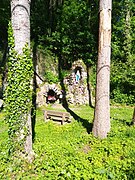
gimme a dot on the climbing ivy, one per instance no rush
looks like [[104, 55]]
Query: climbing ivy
[[18, 94]]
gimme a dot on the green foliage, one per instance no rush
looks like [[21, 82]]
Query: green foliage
[[123, 54], [68, 152], [47, 65], [70, 30], [122, 82], [18, 95], [50, 77], [77, 38], [4, 18], [66, 28]]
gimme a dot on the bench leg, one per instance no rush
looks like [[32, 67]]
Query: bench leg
[[63, 119], [45, 115]]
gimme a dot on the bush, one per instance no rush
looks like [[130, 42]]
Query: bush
[[122, 82], [51, 78]]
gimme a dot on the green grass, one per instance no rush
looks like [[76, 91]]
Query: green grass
[[69, 152]]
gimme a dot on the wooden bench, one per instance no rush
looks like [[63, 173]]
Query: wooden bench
[[55, 115]]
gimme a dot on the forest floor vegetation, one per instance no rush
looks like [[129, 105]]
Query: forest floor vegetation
[[69, 152]]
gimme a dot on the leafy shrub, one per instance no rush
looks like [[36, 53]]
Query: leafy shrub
[[119, 97], [122, 82], [50, 77]]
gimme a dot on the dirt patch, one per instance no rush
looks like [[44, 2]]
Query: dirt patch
[[86, 149]]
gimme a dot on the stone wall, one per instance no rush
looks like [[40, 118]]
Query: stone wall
[[41, 99], [76, 91]]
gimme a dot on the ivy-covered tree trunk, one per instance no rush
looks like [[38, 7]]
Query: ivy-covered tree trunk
[[20, 71], [102, 105]]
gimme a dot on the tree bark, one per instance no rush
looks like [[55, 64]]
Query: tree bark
[[89, 88], [133, 119], [102, 105], [127, 32], [20, 18]]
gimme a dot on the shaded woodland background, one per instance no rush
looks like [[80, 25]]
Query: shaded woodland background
[[68, 31]]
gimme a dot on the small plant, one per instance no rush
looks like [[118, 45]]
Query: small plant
[[50, 77]]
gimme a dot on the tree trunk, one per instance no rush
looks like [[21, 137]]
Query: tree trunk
[[127, 32], [102, 105], [89, 88], [133, 119], [20, 17]]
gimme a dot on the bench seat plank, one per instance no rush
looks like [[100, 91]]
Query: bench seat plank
[[56, 115]]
